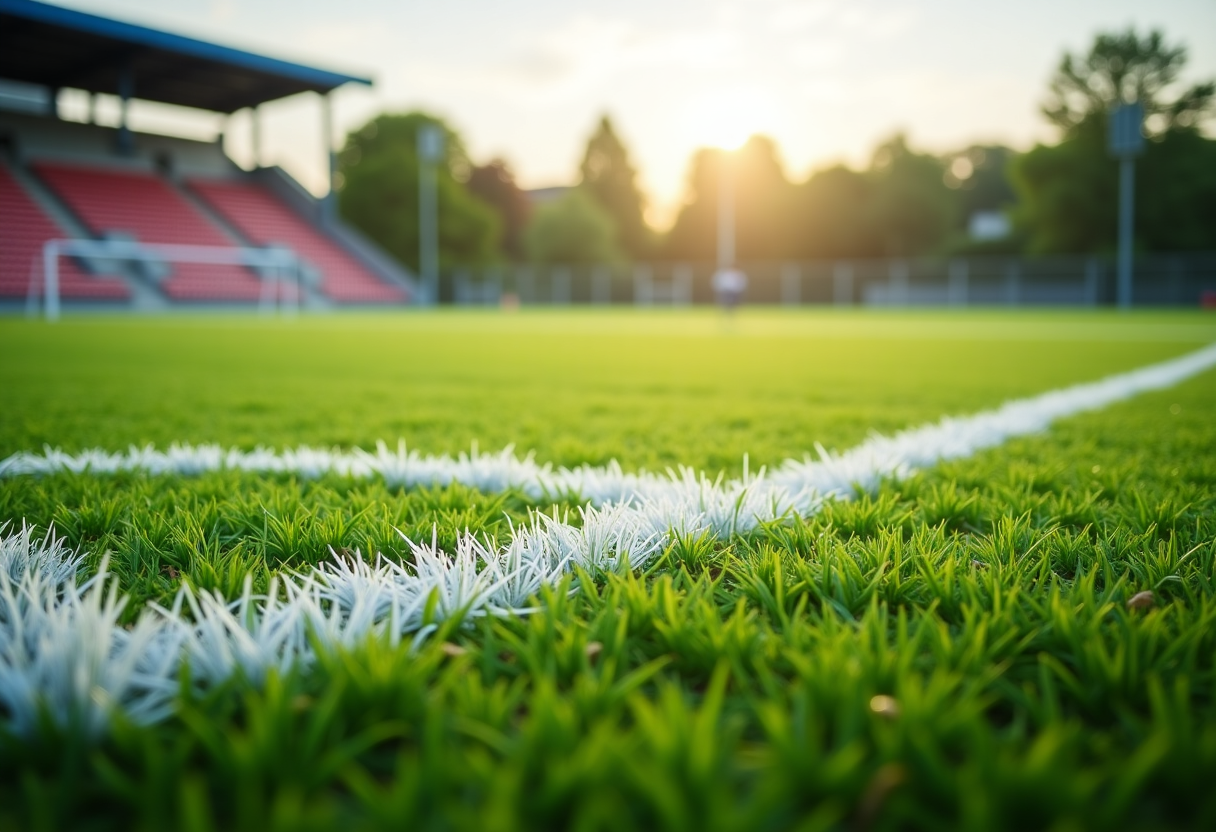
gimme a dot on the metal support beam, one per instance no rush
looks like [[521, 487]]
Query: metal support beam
[[126, 91], [330, 205], [255, 126]]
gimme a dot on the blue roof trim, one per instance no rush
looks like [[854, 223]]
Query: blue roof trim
[[156, 39]]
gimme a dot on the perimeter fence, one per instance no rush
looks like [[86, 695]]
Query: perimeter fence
[[1159, 280]]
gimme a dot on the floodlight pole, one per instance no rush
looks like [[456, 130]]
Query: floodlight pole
[[430, 151], [1126, 141], [1127, 184], [726, 210]]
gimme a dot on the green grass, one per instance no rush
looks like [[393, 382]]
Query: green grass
[[648, 389], [729, 687]]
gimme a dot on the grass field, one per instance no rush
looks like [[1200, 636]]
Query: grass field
[[952, 650]]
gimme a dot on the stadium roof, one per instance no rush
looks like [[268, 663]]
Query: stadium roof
[[57, 47]]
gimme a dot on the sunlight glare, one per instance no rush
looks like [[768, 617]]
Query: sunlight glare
[[727, 118]]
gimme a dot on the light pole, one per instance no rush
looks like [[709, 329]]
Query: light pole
[[430, 152], [726, 209], [1126, 143]]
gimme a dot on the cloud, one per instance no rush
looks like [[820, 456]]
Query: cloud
[[221, 11], [585, 51]]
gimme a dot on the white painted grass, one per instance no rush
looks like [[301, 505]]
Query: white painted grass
[[65, 658]]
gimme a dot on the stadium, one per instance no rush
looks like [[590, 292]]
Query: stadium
[[157, 208], [406, 487]]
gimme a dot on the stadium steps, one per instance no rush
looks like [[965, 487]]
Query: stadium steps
[[149, 209], [265, 220], [312, 299], [145, 297], [28, 219]]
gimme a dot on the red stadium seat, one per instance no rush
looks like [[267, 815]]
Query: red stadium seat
[[257, 214], [24, 228], [147, 208]]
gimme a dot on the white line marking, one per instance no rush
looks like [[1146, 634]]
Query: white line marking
[[62, 647]]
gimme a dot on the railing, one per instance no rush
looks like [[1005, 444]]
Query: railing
[[1159, 280]]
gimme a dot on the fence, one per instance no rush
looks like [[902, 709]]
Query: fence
[[1159, 280]]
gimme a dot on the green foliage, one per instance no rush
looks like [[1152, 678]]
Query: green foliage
[[833, 216], [1069, 193], [1123, 67], [980, 174], [909, 203], [763, 199], [572, 229], [379, 194], [900, 206], [733, 686], [609, 176], [912, 211], [494, 183]]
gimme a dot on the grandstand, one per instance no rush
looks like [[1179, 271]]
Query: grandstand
[[64, 180]]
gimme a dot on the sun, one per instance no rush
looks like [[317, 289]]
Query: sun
[[728, 117]]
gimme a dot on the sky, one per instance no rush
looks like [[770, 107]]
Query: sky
[[528, 80]]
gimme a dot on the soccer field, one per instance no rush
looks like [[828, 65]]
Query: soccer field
[[964, 644]]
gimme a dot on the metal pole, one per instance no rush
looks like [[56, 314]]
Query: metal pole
[[255, 122], [50, 266], [428, 229], [791, 284], [842, 284], [1127, 183], [430, 150], [126, 89], [726, 210], [956, 292]]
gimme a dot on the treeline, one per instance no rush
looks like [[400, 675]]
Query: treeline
[[1059, 198]]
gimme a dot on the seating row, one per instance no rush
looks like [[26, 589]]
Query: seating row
[[149, 209]]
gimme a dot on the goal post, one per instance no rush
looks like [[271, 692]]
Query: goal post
[[281, 266]]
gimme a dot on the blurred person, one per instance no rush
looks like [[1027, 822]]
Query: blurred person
[[729, 282]]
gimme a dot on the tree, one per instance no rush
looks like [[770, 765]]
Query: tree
[[911, 210], [611, 180], [1068, 192], [1120, 68], [833, 215], [494, 183], [979, 175], [571, 230], [764, 205], [378, 169]]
